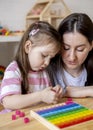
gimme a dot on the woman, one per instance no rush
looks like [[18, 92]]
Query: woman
[[73, 69]]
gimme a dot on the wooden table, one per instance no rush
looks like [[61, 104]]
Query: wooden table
[[6, 123]]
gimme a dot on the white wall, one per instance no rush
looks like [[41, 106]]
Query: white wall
[[85, 6], [13, 12], [7, 52]]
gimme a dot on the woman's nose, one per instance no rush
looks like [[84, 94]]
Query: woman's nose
[[72, 55]]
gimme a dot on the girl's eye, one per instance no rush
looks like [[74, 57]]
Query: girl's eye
[[44, 55]]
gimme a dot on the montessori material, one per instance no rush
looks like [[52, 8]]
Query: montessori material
[[18, 114], [59, 116]]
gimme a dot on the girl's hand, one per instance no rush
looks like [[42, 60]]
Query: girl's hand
[[59, 91], [49, 96]]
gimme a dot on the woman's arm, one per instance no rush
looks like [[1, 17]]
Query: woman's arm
[[79, 91]]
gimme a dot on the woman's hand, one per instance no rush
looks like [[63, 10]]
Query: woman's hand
[[72, 91]]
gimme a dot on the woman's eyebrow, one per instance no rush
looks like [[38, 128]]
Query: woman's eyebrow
[[76, 46], [66, 44], [82, 45]]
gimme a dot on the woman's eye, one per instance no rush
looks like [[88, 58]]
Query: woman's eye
[[80, 49], [66, 48]]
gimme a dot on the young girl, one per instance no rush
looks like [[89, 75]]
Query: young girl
[[74, 69], [25, 82]]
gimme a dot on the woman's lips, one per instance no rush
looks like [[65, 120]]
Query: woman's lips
[[71, 63]]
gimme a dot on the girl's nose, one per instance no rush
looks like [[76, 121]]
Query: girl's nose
[[46, 63]]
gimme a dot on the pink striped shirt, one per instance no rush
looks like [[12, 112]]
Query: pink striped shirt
[[11, 83]]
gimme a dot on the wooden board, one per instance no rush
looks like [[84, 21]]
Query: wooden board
[[57, 117]]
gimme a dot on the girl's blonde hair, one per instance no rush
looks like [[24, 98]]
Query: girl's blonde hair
[[38, 33]]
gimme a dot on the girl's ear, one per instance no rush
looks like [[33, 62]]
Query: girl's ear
[[28, 45]]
